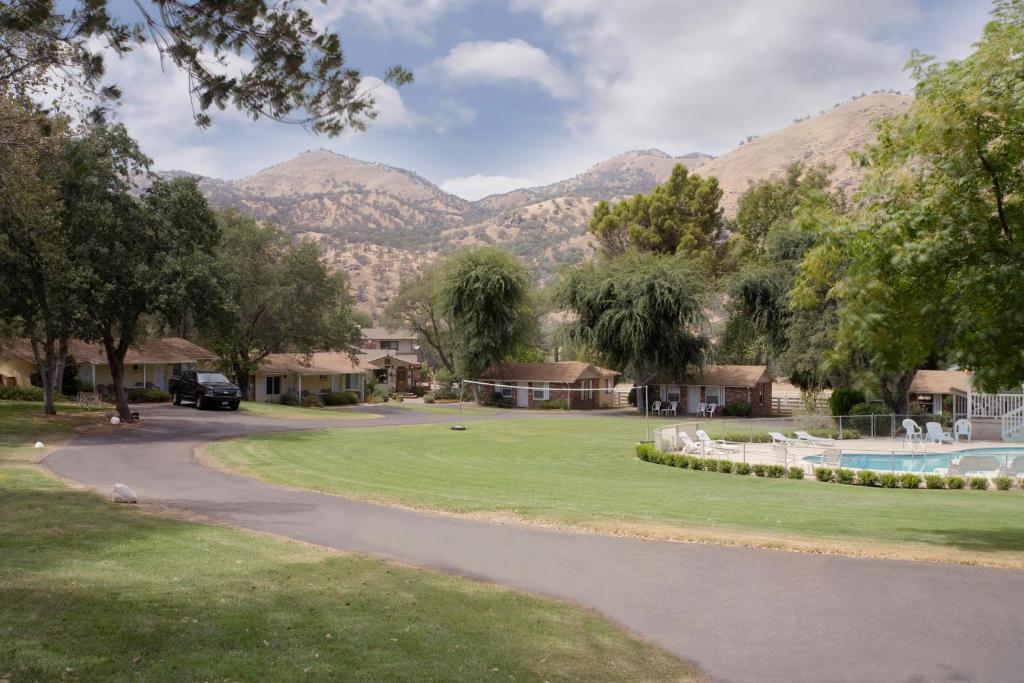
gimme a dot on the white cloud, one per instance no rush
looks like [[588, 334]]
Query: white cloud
[[699, 75], [477, 186], [409, 19], [387, 102], [489, 61]]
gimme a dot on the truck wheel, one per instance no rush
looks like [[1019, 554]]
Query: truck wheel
[[234, 406], [199, 402], [175, 399]]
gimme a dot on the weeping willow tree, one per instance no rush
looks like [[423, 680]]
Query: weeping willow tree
[[639, 313]]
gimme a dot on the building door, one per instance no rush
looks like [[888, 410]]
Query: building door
[[523, 395], [692, 398], [401, 378]]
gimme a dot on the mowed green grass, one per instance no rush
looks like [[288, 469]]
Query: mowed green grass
[[94, 591], [277, 410], [584, 471], [23, 423]]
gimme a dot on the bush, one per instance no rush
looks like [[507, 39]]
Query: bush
[[725, 466], [843, 399], [419, 391], [553, 405], [289, 400], [955, 482], [1003, 483], [681, 461], [742, 468], [736, 408], [889, 480], [70, 385], [340, 398], [760, 470], [645, 451], [867, 478], [775, 471], [909, 480], [934, 481], [823, 474], [21, 393], [696, 463], [428, 398], [795, 472], [631, 399], [710, 465], [844, 475], [446, 394], [979, 483], [140, 395]]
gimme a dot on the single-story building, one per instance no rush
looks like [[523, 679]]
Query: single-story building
[[398, 372], [929, 389], [385, 339], [151, 363], [580, 385], [319, 373], [715, 384]]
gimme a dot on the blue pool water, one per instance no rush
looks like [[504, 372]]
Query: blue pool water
[[916, 462]]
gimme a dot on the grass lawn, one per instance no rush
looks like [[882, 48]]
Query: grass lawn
[[468, 408], [277, 410], [22, 423], [93, 591], [583, 471]]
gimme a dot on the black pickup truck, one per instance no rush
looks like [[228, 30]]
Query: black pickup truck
[[206, 388]]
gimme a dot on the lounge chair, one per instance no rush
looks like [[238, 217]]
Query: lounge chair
[[976, 465], [813, 440], [962, 427], [935, 433], [711, 444], [689, 445], [912, 430], [672, 407], [1016, 467], [779, 437]]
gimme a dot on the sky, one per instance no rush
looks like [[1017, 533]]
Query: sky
[[523, 92]]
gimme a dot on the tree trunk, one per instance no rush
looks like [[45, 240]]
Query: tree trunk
[[50, 364], [241, 372], [895, 388], [120, 395]]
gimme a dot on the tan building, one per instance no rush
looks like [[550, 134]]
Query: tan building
[[929, 388], [398, 341], [716, 384], [148, 364], [319, 373], [580, 385]]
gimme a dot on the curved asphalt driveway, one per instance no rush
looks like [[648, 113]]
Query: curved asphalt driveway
[[741, 614]]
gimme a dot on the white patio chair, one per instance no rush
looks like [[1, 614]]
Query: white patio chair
[[656, 407], [779, 437], [962, 427], [701, 408], [912, 430], [671, 408], [709, 409], [935, 433], [813, 440]]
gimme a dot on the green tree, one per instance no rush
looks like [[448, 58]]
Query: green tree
[[419, 306], [278, 296], [682, 215], [639, 313], [487, 296], [292, 72], [769, 204]]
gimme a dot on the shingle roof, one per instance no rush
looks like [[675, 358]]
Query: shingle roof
[[938, 381], [375, 356], [377, 333], [561, 372], [719, 375], [319, 363], [150, 351]]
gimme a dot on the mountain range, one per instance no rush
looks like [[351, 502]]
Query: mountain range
[[382, 224]]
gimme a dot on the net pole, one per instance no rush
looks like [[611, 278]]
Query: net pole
[[462, 390], [647, 412]]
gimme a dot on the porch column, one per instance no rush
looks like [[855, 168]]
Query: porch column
[[95, 389], [143, 375], [300, 386]]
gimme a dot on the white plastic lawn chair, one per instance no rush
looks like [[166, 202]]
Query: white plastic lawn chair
[[701, 408], [672, 407], [913, 430], [813, 440], [709, 409], [779, 437], [935, 433], [962, 427], [656, 407]]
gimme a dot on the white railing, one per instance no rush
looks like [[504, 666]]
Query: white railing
[[992, 406], [1013, 425]]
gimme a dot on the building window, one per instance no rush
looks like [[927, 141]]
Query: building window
[[588, 389], [711, 395], [382, 375], [322, 377], [389, 345], [540, 391], [135, 367], [505, 389], [272, 386], [674, 393]]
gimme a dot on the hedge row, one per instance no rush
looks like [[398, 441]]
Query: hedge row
[[648, 453], [8, 393], [906, 480]]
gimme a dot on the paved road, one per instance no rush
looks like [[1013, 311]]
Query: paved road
[[741, 614]]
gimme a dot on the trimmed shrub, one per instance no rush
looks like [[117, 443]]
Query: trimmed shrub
[[428, 398], [823, 474], [312, 401], [909, 480], [889, 480], [1003, 483], [553, 405], [775, 471], [736, 408], [645, 451], [760, 470], [419, 390], [683, 461], [955, 482], [843, 399], [979, 483], [140, 395], [867, 478], [725, 466], [710, 465], [742, 468], [934, 481], [844, 475], [340, 398], [696, 463], [289, 400], [795, 472], [21, 393]]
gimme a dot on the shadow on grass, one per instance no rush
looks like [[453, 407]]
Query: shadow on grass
[[979, 540]]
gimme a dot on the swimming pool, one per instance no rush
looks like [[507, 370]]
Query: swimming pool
[[916, 462]]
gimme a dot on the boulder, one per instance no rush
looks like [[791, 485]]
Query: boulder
[[123, 494], [115, 420], [39, 444]]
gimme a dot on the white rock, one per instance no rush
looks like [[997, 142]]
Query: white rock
[[123, 494], [39, 444], [115, 420]]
